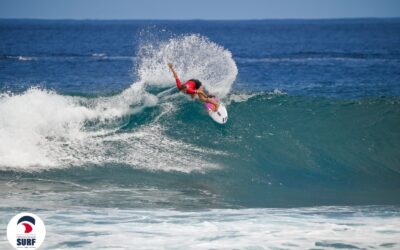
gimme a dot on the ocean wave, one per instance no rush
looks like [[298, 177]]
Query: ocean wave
[[286, 150], [280, 146], [42, 130], [63, 57], [19, 58], [99, 54]]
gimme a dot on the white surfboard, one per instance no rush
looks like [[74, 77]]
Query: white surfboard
[[221, 115]]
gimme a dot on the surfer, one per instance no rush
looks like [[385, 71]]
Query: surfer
[[193, 87]]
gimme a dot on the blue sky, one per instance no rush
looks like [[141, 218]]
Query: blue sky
[[197, 9]]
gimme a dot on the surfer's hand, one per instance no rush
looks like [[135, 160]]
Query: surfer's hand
[[171, 67]]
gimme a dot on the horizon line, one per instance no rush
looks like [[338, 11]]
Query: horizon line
[[195, 19]]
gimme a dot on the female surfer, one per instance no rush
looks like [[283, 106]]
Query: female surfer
[[193, 87]]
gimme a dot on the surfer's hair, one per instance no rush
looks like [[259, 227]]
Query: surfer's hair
[[197, 82]]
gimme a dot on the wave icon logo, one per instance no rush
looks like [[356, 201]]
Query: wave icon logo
[[28, 226], [26, 231]]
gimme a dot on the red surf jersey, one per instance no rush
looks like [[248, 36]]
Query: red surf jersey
[[190, 86]]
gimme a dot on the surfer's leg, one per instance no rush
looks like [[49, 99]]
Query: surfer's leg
[[213, 102], [216, 104], [204, 98]]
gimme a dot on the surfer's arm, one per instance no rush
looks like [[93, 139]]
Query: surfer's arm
[[178, 81]]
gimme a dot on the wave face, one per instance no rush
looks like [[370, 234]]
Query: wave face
[[282, 148]]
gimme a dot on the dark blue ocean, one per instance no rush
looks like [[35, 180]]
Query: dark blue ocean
[[96, 140]]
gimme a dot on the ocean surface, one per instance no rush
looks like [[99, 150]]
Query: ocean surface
[[97, 141]]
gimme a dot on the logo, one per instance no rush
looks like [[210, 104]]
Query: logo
[[26, 231]]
